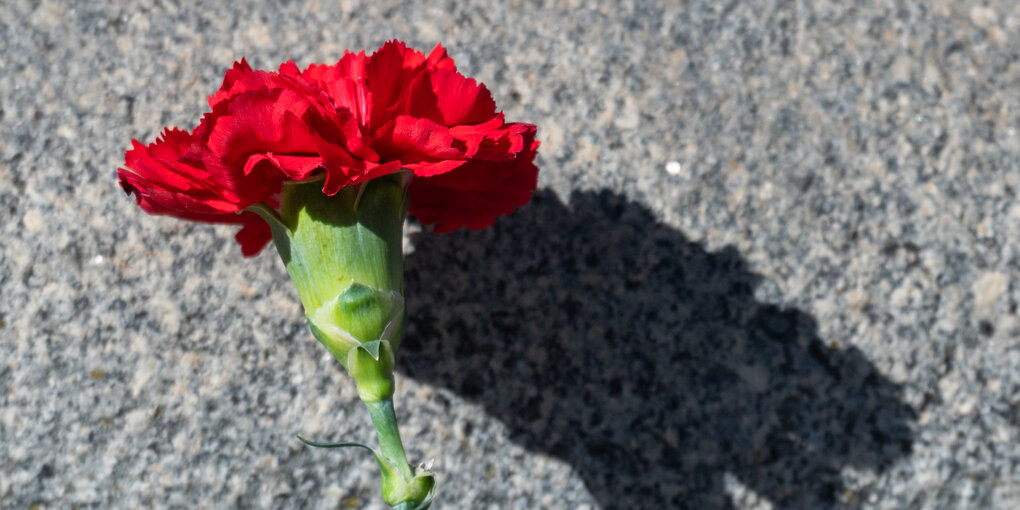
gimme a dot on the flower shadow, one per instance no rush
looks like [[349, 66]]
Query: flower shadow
[[605, 338]]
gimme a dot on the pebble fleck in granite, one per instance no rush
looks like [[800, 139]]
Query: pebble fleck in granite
[[772, 264]]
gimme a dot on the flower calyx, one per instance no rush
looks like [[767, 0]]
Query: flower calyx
[[359, 328]]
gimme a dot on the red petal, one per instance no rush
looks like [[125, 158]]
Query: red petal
[[158, 161], [289, 69], [409, 138], [260, 123], [450, 99], [348, 93], [439, 61], [356, 172], [476, 193], [493, 140], [389, 73], [233, 83], [154, 199], [297, 168], [254, 235], [167, 179], [430, 168]]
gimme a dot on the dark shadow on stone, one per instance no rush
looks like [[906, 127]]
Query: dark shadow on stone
[[607, 339]]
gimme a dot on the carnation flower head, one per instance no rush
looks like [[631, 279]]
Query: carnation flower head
[[327, 162], [366, 116]]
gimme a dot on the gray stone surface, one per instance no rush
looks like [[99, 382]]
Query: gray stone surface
[[773, 264]]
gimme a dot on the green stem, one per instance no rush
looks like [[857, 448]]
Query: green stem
[[385, 421]]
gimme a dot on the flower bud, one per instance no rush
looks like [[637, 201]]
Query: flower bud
[[395, 490]]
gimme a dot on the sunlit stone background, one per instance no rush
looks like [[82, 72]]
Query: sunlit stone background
[[773, 263]]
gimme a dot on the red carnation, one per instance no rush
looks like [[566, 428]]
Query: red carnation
[[327, 162], [358, 119]]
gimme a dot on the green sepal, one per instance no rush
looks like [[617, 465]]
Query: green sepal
[[431, 492], [420, 492], [336, 341], [425, 505], [358, 316], [371, 365], [365, 312], [372, 348], [276, 223]]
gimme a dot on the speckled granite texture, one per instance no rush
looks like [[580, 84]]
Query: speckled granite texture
[[773, 264]]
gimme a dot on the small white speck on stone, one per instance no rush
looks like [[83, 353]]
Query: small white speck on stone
[[673, 168], [67, 132], [924, 418], [33, 221], [137, 420], [948, 387], [967, 407], [97, 260], [987, 289], [982, 16]]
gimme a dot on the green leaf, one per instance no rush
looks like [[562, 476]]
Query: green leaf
[[391, 479], [345, 444]]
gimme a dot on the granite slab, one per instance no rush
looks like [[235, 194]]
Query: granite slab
[[772, 264]]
